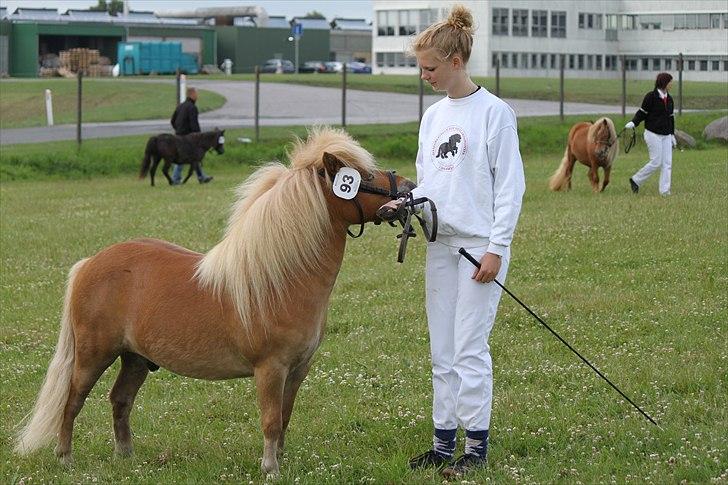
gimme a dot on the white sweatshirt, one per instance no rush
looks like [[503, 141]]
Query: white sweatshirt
[[469, 165]]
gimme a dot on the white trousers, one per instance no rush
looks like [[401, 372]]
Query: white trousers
[[660, 150], [460, 316]]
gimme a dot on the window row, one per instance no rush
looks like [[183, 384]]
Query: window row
[[395, 59], [590, 21], [530, 60], [678, 21], [517, 23], [598, 62], [404, 22]]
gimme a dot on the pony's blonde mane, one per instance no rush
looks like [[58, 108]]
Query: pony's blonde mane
[[279, 226], [594, 132]]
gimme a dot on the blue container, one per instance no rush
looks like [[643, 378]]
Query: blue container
[[129, 58], [154, 57]]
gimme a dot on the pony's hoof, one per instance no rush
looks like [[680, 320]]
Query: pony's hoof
[[270, 470], [123, 450], [66, 459]]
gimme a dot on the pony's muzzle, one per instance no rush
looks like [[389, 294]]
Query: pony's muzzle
[[405, 186]]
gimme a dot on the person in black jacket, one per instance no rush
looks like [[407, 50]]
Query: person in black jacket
[[657, 113], [184, 121]]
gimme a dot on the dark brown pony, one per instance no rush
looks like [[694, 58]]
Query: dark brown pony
[[180, 149], [254, 305], [594, 145]]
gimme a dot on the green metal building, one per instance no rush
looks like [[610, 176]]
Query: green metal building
[[31, 33], [249, 46]]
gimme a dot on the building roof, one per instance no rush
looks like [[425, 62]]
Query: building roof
[[350, 24], [277, 22], [312, 24], [137, 17], [3, 12], [35, 14], [71, 15], [87, 16]]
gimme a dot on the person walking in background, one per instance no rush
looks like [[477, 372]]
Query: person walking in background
[[469, 165], [657, 113], [184, 121]]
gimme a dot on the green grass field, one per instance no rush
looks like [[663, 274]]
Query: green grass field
[[636, 283], [22, 102]]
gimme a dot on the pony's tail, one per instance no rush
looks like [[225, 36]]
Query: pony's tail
[[559, 180], [148, 153], [47, 415]]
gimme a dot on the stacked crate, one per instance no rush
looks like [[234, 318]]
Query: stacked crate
[[87, 60]]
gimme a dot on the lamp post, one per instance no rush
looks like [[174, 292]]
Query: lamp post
[[297, 31]]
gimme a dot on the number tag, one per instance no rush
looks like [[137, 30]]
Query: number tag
[[221, 140], [346, 183]]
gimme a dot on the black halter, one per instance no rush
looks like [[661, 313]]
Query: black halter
[[370, 189]]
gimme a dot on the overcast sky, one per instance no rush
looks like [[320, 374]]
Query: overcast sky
[[289, 8]]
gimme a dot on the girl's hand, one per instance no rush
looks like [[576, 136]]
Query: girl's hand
[[489, 266], [388, 210]]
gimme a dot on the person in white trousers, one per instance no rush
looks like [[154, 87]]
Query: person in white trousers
[[469, 165], [658, 113]]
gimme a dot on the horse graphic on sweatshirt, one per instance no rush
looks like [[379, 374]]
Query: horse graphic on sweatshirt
[[450, 146]]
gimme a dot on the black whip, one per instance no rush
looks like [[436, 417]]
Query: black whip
[[470, 258]]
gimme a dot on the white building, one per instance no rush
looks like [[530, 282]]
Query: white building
[[527, 37]]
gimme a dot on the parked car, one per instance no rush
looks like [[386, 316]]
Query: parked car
[[358, 68], [278, 65], [334, 66], [312, 66]]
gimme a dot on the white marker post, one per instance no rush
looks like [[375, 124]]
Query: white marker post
[[49, 107], [182, 88]]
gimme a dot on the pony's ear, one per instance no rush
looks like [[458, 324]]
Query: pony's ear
[[332, 164]]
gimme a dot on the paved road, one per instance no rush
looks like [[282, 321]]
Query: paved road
[[284, 105]]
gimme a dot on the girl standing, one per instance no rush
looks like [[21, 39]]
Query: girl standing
[[657, 113], [469, 164]]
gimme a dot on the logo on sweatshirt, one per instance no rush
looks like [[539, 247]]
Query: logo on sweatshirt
[[449, 148]]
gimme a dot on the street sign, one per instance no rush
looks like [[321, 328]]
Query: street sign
[[297, 30]]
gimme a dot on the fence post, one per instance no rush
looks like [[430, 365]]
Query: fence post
[[679, 84], [257, 104], [422, 95], [343, 95], [497, 77], [49, 106], [624, 86], [561, 88], [182, 88], [78, 105], [178, 89]]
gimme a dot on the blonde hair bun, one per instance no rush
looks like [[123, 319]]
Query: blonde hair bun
[[461, 18]]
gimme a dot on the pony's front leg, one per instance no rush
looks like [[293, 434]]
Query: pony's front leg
[[293, 382], [270, 379], [193, 166], [594, 177], [606, 177]]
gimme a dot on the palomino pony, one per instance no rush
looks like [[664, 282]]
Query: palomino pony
[[594, 145], [254, 305], [180, 149]]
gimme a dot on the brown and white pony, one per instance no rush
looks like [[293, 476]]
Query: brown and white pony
[[594, 145], [254, 305]]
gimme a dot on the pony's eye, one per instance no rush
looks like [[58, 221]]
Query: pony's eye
[[369, 177]]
